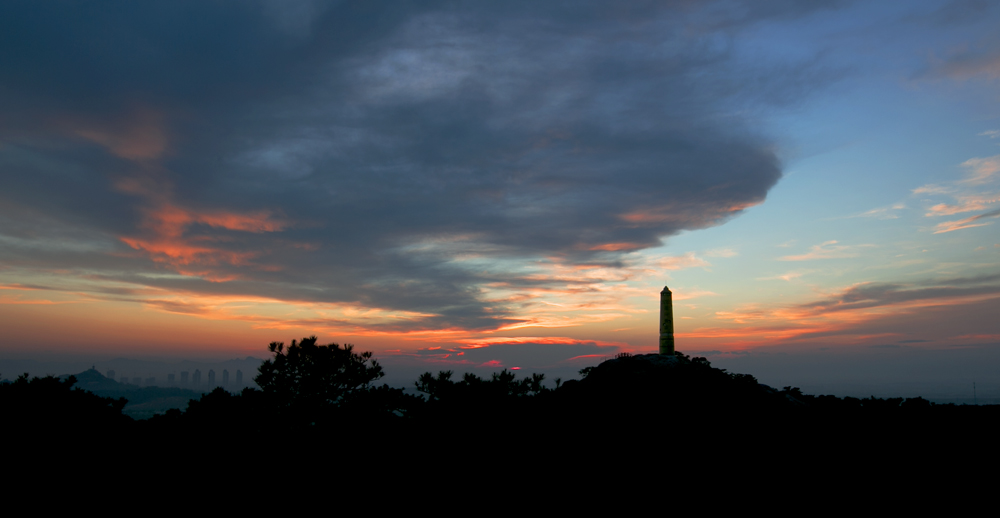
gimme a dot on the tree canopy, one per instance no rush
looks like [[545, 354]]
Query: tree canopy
[[308, 374], [310, 383]]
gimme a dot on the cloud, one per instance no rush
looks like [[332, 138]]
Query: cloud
[[140, 135], [681, 262], [966, 204], [722, 252], [827, 250], [787, 276], [882, 212], [968, 64], [852, 312], [932, 189], [990, 134], [982, 169], [971, 222], [878, 294], [398, 157], [971, 59]]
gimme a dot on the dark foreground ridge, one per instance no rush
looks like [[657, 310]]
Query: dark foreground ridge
[[310, 390]]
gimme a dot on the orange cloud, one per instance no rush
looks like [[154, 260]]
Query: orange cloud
[[659, 215], [688, 260], [788, 277], [141, 136], [966, 204], [951, 226], [257, 222], [6, 300], [328, 318], [617, 247], [561, 295], [19, 287], [168, 224], [932, 189], [981, 168], [839, 314], [648, 217]]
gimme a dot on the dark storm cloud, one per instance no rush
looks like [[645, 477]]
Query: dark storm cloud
[[350, 151]]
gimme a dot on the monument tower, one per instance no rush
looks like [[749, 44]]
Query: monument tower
[[666, 322]]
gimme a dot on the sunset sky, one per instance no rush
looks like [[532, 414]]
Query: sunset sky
[[482, 184]]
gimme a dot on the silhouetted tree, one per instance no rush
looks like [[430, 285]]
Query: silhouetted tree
[[316, 375], [499, 386], [481, 400], [40, 403], [309, 382]]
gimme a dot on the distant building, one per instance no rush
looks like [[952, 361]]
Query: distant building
[[124, 379], [196, 378], [111, 374], [211, 378], [151, 381], [184, 377], [170, 379], [225, 377], [137, 380], [239, 377]]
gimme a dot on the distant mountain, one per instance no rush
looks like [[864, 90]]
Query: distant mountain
[[94, 381], [143, 402]]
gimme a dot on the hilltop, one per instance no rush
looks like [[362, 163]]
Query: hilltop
[[642, 398]]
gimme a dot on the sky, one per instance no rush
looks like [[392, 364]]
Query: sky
[[473, 185]]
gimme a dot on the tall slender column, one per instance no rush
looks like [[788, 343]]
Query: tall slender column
[[666, 322]]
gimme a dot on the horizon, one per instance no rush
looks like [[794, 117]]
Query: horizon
[[478, 187], [842, 376]]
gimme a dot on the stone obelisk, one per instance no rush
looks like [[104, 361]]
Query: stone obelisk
[[666, 322]]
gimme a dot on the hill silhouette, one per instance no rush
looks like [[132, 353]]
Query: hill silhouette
[[654, 399], [40, 408]]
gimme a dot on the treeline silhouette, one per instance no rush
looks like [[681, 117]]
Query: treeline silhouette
[[317, 391]]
